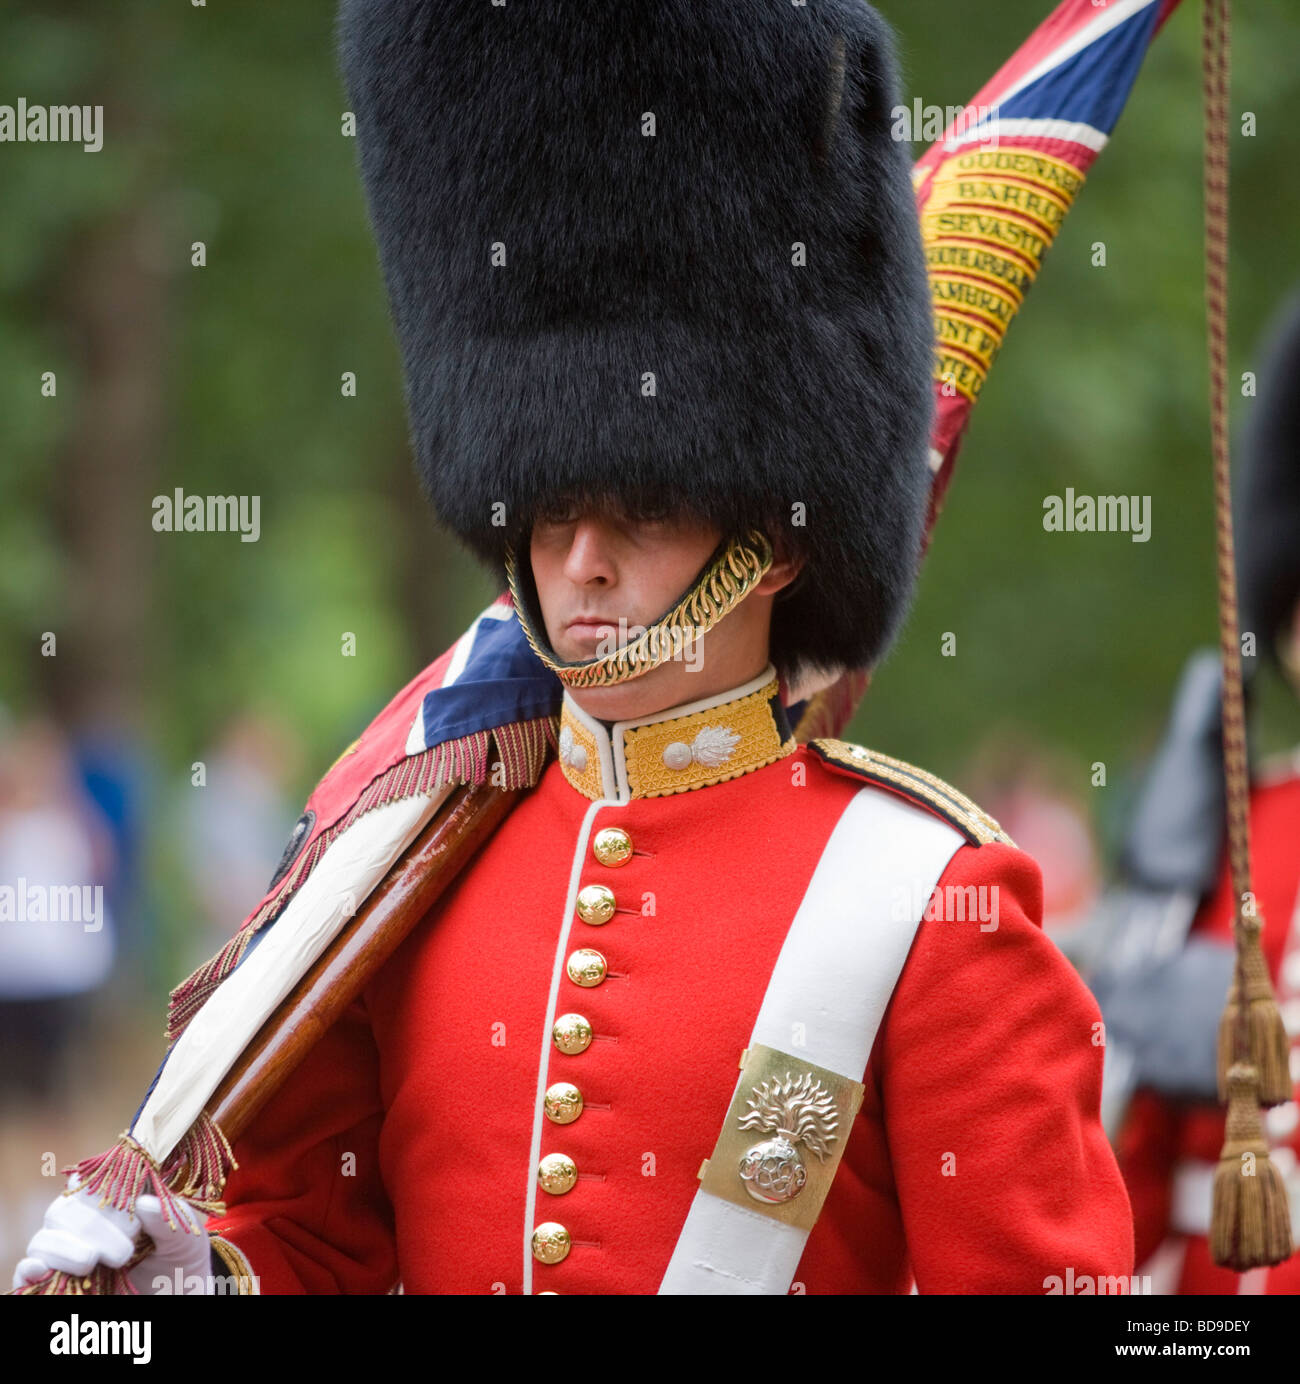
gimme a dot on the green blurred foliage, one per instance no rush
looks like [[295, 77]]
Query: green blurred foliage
[[223, 121]]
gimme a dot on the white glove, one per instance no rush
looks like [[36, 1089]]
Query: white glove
[[78, 1233]]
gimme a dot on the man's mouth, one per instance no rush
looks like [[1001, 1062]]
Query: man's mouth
[[590, 628]]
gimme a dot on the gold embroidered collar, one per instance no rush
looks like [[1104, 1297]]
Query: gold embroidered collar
[[689, 746]]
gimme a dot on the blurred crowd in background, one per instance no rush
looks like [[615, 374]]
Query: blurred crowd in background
[[79, 994]]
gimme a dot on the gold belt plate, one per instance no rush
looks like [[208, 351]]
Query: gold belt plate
[[783, 1136]]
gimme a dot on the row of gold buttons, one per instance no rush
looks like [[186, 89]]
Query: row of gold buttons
[[557, 1173]]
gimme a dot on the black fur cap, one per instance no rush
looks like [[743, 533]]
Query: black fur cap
[[590, 220]]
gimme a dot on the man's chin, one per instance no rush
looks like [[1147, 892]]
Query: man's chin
[[646, 695], [584, 649]]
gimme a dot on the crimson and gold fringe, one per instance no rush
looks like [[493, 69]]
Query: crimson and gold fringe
[[101, 1281], [195, 1172], [121, 1174], [198, 1166]]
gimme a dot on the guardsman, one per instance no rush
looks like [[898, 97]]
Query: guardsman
[[713, 1010], [1170, 1141]]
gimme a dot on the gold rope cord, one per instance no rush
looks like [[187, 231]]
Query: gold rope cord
[[1250, 1224], [1216, 60]]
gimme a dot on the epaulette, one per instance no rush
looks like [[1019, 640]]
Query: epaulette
[[906, 779]]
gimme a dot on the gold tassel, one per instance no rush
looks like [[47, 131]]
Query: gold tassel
[[1250, 1226], [1269, 1051]]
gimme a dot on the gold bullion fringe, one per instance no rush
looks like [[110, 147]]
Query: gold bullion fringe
[[195, 1171]]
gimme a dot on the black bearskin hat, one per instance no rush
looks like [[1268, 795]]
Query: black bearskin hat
[[1268, 523], [662, 252]]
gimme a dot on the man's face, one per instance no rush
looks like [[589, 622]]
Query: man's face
[[602, 578]]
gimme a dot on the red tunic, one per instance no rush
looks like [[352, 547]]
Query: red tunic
[[1164, 1139], [406, 1146]]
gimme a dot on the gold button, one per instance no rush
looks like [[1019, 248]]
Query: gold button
[[586, 967], [556, 1174], [612, 846], [551, 1242], [572, 1033], [562, 1102], [596, 904]]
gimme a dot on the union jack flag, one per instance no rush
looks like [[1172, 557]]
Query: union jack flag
[[993, 192]]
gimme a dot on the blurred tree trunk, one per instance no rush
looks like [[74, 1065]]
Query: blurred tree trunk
[[111, 307]]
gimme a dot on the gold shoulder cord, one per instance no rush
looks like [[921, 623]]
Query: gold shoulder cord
[[949, 802], [237, 1266], [718, 590]]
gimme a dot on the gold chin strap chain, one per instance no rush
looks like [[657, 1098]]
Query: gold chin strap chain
[[719, 589]]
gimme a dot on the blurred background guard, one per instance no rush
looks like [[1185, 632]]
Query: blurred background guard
[[56, 939], [1160, 959], [1033, 790], [232, 825], [57, 946]]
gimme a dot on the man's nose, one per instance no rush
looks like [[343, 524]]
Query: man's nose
[[590, 555]]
